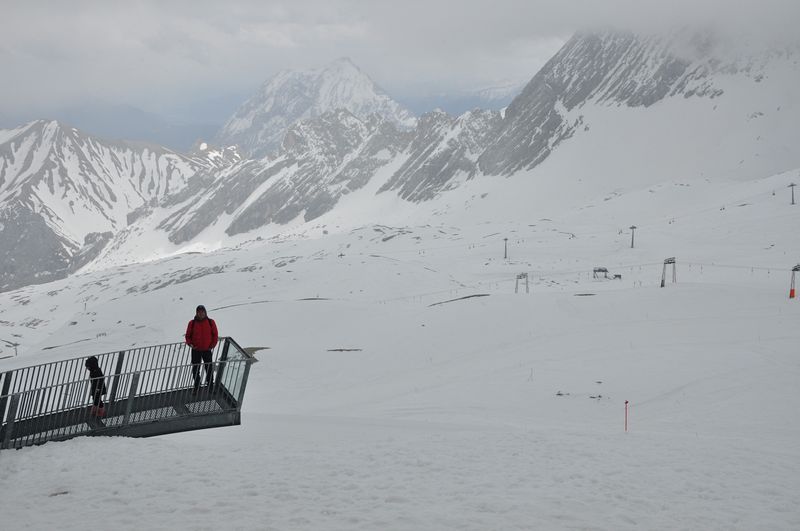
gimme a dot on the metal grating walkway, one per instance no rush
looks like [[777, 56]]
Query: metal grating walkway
[[150, 392]]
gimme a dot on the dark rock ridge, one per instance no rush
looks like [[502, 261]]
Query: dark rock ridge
[[443, 148]]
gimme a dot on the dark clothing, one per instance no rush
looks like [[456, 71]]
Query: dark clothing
[[97, 383], [201, 334], [205, 356], [98, 390]]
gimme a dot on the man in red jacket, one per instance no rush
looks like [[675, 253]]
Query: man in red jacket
[[202, 337]]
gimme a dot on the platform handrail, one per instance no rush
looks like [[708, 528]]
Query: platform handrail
[[51, 401]]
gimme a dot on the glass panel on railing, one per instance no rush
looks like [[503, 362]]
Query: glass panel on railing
[[233, 372]]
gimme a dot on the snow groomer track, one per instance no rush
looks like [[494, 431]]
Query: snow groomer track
[[150, 392]]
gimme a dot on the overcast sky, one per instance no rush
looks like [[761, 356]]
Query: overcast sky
[[156, 55]]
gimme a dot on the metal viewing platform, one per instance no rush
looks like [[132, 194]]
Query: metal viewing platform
[[150, 392]]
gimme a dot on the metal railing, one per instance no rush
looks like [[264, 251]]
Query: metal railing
[[150, 391]]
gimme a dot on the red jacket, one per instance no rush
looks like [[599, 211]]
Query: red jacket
[[202, 335]]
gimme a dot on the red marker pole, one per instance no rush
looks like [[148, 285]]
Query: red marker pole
[[626, 415]]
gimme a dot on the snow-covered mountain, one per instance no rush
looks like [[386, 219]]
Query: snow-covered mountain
[[64, 194], [630, 108], [609, 111], [306, 178], [260, 124], [595, 72], [321, 161]]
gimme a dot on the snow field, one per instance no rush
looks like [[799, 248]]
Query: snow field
[[333, 473], [375, 407]]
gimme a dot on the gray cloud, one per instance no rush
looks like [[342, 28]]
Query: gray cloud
[[155, 54]]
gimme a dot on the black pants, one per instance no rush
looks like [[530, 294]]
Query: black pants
[[205, 356], [97, 392]]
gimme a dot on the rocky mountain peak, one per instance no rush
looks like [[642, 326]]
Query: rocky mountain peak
[[290, 96]]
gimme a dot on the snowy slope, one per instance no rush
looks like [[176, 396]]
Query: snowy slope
[[503, 411]]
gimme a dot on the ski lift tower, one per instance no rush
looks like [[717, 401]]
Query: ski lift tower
[[667, 262], [795, 269]]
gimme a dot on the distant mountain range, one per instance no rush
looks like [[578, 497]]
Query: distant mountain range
[[608, 106]]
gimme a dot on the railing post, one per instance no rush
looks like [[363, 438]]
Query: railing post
[[4, 393], [240, 398], [12, 415], [131, 397], [113, 394]]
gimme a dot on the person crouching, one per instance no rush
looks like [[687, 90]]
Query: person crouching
[[97, 386]]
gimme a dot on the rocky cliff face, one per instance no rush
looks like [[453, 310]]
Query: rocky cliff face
[[322, 159], [443, 148], [319, 160]]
